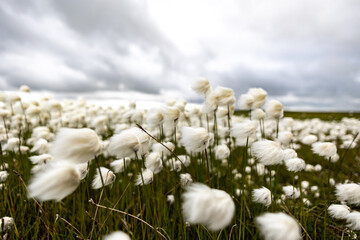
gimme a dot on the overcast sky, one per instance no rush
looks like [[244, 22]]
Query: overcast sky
[[304, 53]]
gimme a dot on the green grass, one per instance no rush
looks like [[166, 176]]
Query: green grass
[[73, 217]]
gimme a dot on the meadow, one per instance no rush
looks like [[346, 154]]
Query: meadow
[[149, 193]]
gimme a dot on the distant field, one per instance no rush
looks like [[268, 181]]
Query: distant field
[[327, 116]]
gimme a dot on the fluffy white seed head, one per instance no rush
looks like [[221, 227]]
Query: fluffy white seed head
[[55, 182], [120, 165], [285, 137], [353, 220], [349, 193], [195, 139], [6, 223], [212, 208], [41, 159], [3, 176], [224, 96], [246, 101], [201, 86], [118, 235], [267, 152], [107, 176], [278, 226], [146, 178], [274, 109], [262, 195], [325, 149], [185, 179], [291, 192], [129, 142], [154, 117], [257, 114], [338, 211], [295, 164], [83, 170], [157, 147], [75, 145], [259, 96], [153, 162], [222, 152], [289, 153], [170, 199], [309, 139], [244, 129]]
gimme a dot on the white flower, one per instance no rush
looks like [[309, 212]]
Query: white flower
[[222, 152], [107, 176], [195, 139], [12, 144], [153, 162], [212, 208], [349, 193], [246, 101], [262, 195], [56, 182], [146, 177], [117, 235], [224, 96], [274, 109], [353, 220], [185, 160], [278, 226], [291, 192], [185, 179], [267, 152], [83, 170], [325, 149], [118, 165], [295, 164], [339, 211], [129, 142], [75, 145], [154, 117]]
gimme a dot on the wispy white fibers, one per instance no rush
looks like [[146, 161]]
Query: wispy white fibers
[[267, 152], [274, 109], [41, 146], [353, 220], [118, 165], [129, 142], [285, 137], [40, 159], [257, 114], [291, 192], [146, 177], [244, 129], [349, 193], [6, 223], [3, 176], [155, 117], [222, 152], [224, 96], [325, 149], [83, 170], [295, 164], [195, 139], [153, 162], [278, 226], [201, 86], [259, 96], [12, 144], [246, 101], [262, 195], [108, 177], [157, 147], [212, 208], [309, 139], [75, 145], [58, 181], [338, 211], [185, 179], [118, 235], [289, 153]]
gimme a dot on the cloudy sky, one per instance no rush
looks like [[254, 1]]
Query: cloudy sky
[[304, 53]]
